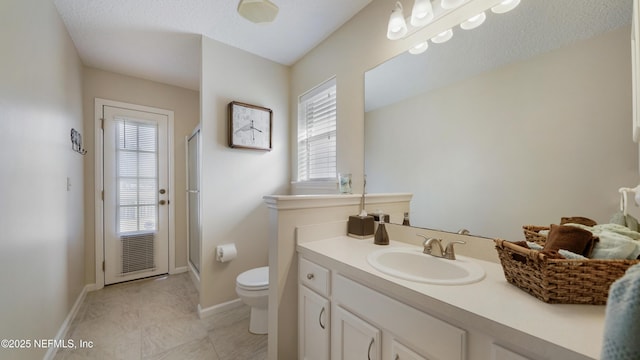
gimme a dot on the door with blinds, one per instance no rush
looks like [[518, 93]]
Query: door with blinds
[[136, 236]]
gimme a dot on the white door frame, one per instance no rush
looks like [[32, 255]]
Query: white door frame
[[99, 184]]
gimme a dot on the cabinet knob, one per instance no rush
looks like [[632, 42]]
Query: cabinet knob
[[310, 276]]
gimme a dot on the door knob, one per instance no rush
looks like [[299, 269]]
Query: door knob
[[162, 202]]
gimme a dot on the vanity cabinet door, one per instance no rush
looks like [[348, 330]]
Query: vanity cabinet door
[[500, 353], [354, 338], [401, 352], [313, 325]]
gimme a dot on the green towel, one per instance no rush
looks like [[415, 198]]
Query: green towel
[[620, 229], [621, 325], [625, 220], [612, 245]]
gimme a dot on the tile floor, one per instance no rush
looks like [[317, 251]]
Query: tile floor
[[157, 319]]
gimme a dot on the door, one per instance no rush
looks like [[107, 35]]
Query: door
[[136, 211], [355, 339], [193, 198], [313, 319]]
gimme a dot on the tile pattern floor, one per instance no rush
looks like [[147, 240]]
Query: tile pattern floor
[[157, 319]]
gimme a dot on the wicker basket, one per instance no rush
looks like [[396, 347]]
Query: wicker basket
[[560, 281], [532, 233]]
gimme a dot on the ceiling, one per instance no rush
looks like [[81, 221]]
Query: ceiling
[[534, 27], [160, 39]]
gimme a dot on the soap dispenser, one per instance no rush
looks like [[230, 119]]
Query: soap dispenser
[[381, 237]]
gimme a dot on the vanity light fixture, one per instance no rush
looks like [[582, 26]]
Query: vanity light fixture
[[474, 21], [258, 11], [443, 37], [419, 48], [422, 13], [505, 6], [397, 27], [451, 4]]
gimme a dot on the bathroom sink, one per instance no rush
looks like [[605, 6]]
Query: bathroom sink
[[411, 264]]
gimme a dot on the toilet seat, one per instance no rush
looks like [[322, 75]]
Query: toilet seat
[[254, 279]]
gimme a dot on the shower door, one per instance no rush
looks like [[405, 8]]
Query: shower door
[[193, 192]]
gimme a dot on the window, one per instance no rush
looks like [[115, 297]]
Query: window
[[136, 175], [317, 133]]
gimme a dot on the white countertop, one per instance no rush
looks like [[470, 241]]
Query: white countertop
[[578, 328]]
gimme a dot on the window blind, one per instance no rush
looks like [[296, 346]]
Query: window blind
[[317, 133], [136, 175]]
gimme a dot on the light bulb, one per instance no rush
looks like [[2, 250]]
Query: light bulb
[[474, 21], [422, 13], [397, 26], [419, 48], [443, 37], [505, 6]]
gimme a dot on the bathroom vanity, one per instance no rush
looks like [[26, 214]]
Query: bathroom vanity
[[349, 310]]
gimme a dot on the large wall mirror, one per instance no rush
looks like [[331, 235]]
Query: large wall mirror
[[523, 120]]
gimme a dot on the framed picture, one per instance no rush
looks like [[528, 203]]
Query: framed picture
[[249, 126]]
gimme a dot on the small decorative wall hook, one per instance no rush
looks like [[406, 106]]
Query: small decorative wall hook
[[76, 142]]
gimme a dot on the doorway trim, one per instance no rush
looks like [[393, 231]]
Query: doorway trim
[[99, 183]]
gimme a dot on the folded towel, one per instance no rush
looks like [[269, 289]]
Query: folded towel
[[625, 220], [534, 246], [620, 229], [577, 220], [571, 256], [565, 253], [572, 238], [621, 325], [612, 245]]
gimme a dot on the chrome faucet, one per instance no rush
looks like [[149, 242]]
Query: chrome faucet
[[448, 252]]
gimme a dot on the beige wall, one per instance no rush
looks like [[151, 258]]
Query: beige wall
[[42, 237], [185, 105], [532, 142], [235, 180]]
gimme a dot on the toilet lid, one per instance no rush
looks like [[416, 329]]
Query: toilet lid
[[254, 278]]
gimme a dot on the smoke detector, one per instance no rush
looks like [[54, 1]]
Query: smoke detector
[[258, 11]]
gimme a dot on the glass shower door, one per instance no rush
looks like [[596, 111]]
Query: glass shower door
[[193, 191]]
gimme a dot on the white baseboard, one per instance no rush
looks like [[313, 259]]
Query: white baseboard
[[215, 309], [62, 333], [91, 287], [179, 270]]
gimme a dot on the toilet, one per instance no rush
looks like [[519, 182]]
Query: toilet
[[252, 286]]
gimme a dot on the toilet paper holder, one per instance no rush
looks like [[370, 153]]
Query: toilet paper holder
[[226, 252]]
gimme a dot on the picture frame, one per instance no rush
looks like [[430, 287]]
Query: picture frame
[[250, 126]]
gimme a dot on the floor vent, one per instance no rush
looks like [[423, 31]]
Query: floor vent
[[137, 252]]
